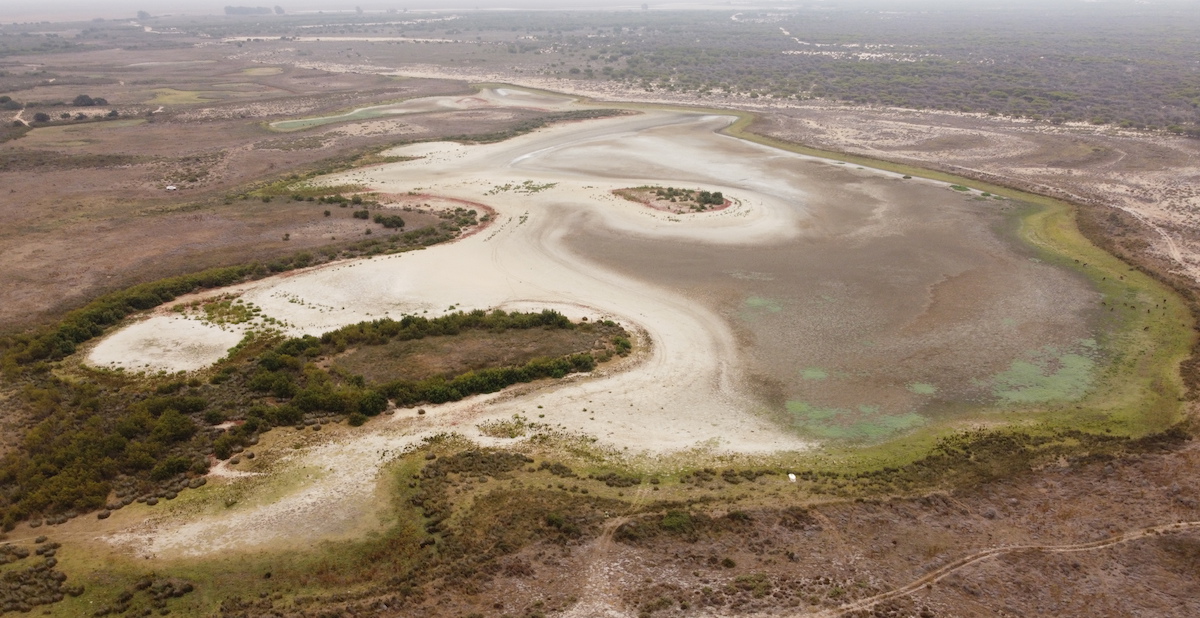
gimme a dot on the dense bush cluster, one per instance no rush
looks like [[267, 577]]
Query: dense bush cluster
[[91, 437], [389, 221], [84, 100], [149, 440], [40, 583], [147, 591]]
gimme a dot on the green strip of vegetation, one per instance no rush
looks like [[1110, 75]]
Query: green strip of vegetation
[[363, 113], [83, 324], [285, 372]]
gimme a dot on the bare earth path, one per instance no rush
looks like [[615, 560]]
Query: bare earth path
[[995, 552], [600, 594]]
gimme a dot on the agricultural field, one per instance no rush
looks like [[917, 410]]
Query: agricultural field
[[716, 312]]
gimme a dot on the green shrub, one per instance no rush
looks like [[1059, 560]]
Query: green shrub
[[223, 446], [170, 467], [678, 522], [372, 403], [389, 221]]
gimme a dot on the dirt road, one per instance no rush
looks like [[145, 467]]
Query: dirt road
[[995, 552]]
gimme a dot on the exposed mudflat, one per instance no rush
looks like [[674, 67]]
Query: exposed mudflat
[[825, 302], [850, 302], [486, 99]]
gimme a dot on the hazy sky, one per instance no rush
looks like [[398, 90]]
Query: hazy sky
[[61, 10], [65, 10]]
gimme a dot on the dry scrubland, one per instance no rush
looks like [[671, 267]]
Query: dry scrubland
[[523, 502]]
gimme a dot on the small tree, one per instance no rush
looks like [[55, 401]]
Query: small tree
[[83, 100], [142, 15], [41, 117], [278, 10]]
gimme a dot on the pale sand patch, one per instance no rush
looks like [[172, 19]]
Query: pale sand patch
[[167, 343], [222, 470], [327, 503]]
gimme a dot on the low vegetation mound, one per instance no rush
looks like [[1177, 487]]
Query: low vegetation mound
[[675, 200], [416, 359]]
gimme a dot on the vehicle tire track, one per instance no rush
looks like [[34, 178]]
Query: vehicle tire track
[[980, 556], [599, 597]]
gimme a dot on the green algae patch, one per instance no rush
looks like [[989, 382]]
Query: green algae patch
[[814, 373], [922, 388], [865, 424], [1066, 378], [763, 304]]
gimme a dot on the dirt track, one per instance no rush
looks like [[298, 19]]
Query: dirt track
[[987, 554]]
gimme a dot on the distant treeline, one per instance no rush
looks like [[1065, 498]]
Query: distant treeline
[[1127, 66], [247, 10]]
